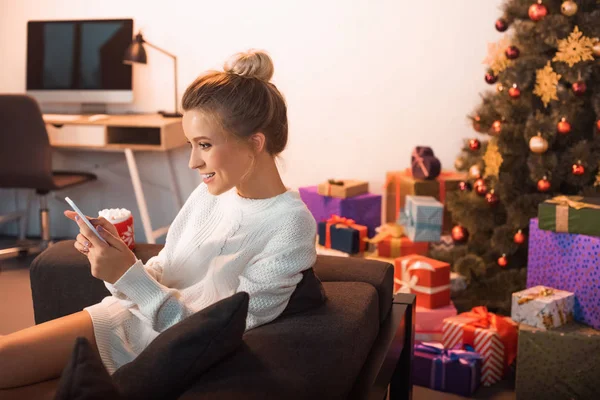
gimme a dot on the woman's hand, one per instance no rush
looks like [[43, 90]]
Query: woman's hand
[[109, 261]]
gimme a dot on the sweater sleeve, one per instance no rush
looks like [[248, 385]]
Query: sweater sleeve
[[273, 277]]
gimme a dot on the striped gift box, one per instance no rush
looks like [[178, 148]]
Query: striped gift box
[[498, 351]]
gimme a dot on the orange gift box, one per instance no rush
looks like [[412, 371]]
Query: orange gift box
[[425, 277], [392, 243]]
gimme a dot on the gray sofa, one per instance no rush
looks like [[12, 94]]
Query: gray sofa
[[357, 345]]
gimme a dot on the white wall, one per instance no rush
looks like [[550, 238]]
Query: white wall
[[365, 82]]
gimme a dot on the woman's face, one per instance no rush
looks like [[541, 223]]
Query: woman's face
[[221, 159]]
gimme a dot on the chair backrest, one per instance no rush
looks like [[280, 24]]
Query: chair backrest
[[25, 152]]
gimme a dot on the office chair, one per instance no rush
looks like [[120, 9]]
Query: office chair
[[26, 162]]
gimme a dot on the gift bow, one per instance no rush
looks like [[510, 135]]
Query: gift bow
[[386, 231], [529, 297], [338, 222], [487, 320], [573, 202], [408, 283], [417, 159], [446, 356]]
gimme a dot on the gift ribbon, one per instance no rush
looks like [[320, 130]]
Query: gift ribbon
[[339, 222], [563, 203], [395, 177], [529, 297], [447, 356], [417, 159], [408, 283], [487, 320], [332, 182], [384, 232]]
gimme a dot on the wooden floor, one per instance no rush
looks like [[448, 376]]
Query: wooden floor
[[16, 312]]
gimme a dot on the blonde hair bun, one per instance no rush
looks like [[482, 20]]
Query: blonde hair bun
[[251, 64]]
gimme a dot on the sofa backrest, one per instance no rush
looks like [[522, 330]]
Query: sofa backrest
[[353, 269]]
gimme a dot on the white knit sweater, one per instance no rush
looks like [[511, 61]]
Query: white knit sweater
[[215, 247]]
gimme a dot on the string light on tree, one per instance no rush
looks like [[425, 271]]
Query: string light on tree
[[514, 91], [501, 25], [500, 87], [464, 186], [474, 144], [477, 123], [475, 171], [543, 184], [519, 237], [481, 189], [538, 144], [579, 88], [568, 8], [496, 127], [578, 169], [563, 126], [537, 11], [503, 261]]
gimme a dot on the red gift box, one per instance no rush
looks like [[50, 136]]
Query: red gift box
[[491, 335], [425, 277], [392, 243]]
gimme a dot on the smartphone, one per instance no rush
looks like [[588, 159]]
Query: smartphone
[[84, 218]]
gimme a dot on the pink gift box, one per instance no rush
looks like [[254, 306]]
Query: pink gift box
[[429, 322]]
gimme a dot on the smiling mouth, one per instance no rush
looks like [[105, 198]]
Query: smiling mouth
[[207, 176]]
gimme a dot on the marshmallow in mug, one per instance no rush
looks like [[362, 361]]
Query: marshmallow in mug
[[115, 215]]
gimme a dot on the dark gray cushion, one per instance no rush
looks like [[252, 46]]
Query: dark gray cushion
[[300, 357]]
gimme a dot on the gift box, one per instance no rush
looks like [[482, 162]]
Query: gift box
[[365, 209], [342, 234], [399, 184], [572, 214], [391, 242], [570, 262], [542, 307], [559, 364], [429, 322], [342, 188], [445, 244], [424, 164], [427, 278], [448, 370], [422, 218], [491, 335]]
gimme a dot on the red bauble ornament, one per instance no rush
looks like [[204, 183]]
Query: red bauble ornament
[[519, 237], [496, 127], [481, 189], [477, 123], [537, 11], [490, 78], [512, 52], [579, 88], [563, 126], [464, 186], [479, 182], [543, 184], [474, 144], [501, 25], [598, 124], [459, 234], [514, 91], [492, 198], [578, 169], [503, 261]]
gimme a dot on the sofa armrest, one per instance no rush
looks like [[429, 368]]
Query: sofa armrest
[[62, 283], [349, 269]]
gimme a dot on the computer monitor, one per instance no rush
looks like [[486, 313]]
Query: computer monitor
[[79, 61]]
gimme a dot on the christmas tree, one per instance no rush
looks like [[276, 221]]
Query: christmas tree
[[543, 123]]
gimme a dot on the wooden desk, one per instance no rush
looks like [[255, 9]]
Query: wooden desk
[[124, 133]]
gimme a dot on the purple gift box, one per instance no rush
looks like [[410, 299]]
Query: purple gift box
[[568, 262], [365, 209], [447, 370]]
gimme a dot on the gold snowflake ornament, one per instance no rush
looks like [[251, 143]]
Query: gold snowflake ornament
[[492, 158], [546, 81], [496, 58], [575, 48]]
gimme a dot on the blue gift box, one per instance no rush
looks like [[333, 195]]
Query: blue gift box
[[342, 239], [422, 218]]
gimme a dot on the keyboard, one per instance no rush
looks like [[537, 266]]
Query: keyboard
[[62, 117]]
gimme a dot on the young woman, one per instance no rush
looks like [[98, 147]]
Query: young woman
[[240, 230]]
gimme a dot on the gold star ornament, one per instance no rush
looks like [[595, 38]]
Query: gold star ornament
[[496, 58], [546, 81], [492, 158], [575, 48]]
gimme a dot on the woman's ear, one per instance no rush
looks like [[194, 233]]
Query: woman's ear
[[258, 141]]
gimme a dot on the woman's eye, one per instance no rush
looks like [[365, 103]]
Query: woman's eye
[[204, 145]]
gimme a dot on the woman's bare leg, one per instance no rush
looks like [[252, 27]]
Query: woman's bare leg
[[42, 351]]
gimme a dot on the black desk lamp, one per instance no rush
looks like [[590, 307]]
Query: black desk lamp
[[136, 53]]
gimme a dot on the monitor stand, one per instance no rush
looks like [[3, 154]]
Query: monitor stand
[[93, 108]]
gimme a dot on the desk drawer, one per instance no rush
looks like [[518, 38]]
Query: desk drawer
[[76, 135]]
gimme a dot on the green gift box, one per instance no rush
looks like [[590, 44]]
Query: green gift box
[[572, 214]]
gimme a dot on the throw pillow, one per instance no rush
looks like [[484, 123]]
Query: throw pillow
[[309, 294]]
